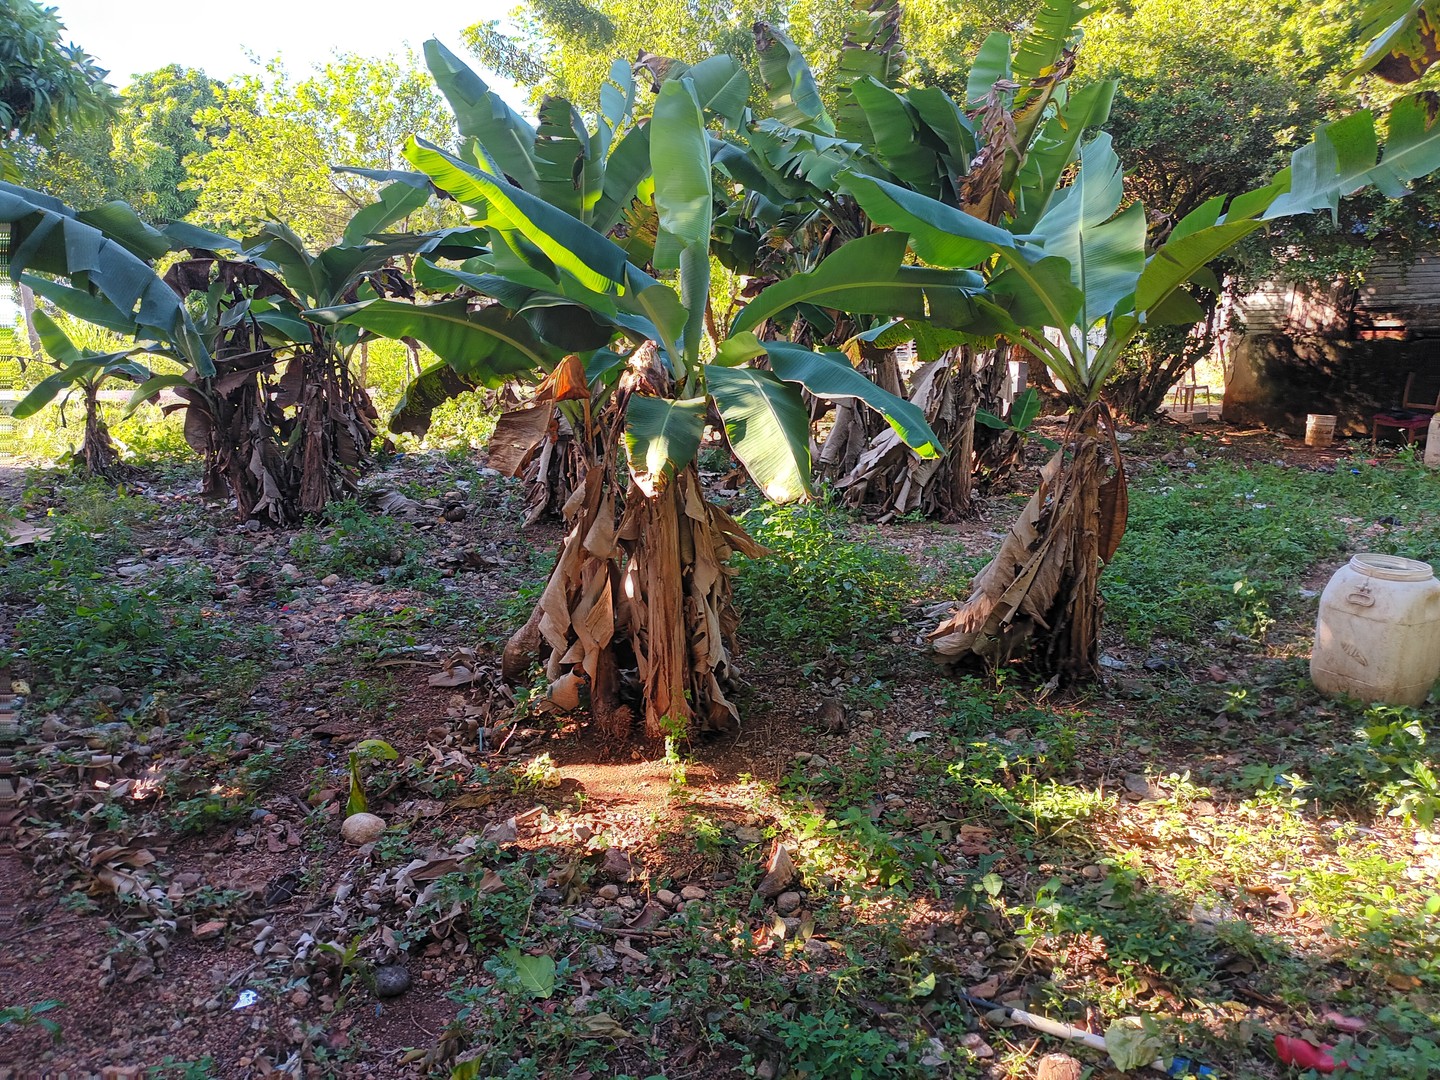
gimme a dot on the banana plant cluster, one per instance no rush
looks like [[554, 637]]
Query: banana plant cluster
[[1073, 291], [554, 284], [269, 399], [997, 153], [84, 371]]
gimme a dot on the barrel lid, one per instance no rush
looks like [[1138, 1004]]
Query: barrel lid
[[1391, 567]]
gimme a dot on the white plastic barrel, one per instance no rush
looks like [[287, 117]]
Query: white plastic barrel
[[1432, 442], [1377, 636]]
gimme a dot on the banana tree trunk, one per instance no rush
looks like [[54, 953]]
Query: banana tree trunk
[[98, 454], [889, 481], [642, 585], [1040, 596]]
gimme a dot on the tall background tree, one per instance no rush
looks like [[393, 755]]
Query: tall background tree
[[273, 139], [564, 47], [139, 154], [47, 86]]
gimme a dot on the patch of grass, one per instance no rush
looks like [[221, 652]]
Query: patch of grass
[[354, 541], [1143, 932], [84, 623], [1226, 543], [818, 591]]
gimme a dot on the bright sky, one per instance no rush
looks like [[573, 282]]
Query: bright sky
[[133, 36]]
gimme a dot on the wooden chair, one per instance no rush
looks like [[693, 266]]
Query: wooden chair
[[1418, 403], [1186, 392]]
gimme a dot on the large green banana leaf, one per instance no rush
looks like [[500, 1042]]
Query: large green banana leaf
[[593, 260], [866, 276], [1052, 28], [722, 86], [488, 345], [396, 202], [939, 234], [83, 305], [991, 65], [1053, 150], [684, 204], [48, 237], [119, 221], [680, 158], [662, 436], [1345, 156], [482, 115], [895, 136], [794, 97], [830, 375], [77, 365], [768, 428], [1105, 250], [425, 393], [950, 127]]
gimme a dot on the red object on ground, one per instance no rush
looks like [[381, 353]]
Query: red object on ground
[[1304, 1055]]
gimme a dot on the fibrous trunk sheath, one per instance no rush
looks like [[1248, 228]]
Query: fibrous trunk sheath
[[638, 608], [1040, 594]]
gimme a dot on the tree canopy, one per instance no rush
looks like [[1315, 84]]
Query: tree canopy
[[46, 85], [273, 142]]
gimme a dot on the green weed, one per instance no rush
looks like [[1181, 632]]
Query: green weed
[[817, 590]]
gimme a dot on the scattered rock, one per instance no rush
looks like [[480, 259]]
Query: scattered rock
[[830, 717], [391, 980], [110, 695], [330, 580], [780, 873], [652, 914], [289, 571], [1139, 785], [935, 1056], [608, 892], [616, 865], [986, 990], [1092, 872], [600, 958], [666, 897], [361, 829], [1058, 1067], [693, 892], [208, 930], [456, 513], [788, 902], [748, 834], [502, 832], [977, 1046]]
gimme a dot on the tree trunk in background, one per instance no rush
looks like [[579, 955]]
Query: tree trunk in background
[[1040, 594], [27, 307], [98, 455], [1157, 361], [888, 480]]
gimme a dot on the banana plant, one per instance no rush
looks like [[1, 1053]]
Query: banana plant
[[997, 153], [85, 370], [640, 582], [1073, 291], [270, 403]]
